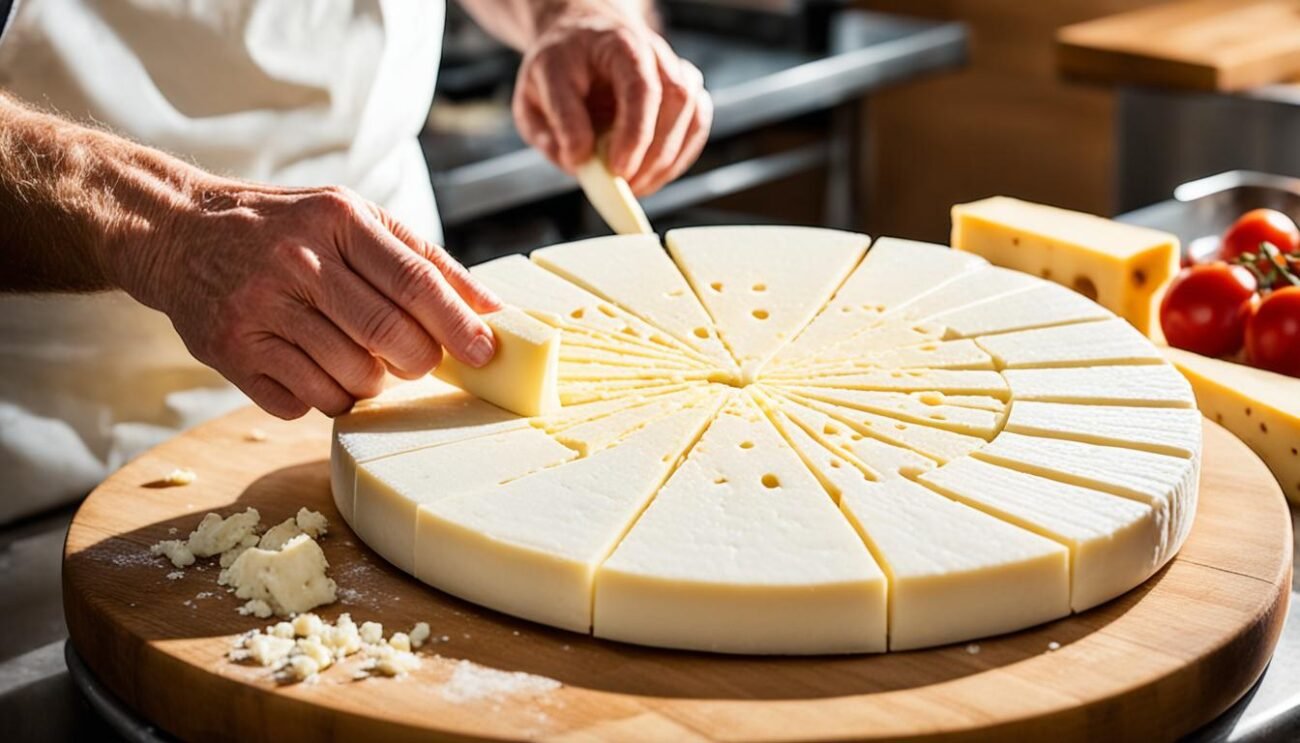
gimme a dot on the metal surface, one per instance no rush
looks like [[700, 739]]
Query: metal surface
[[752, 86], [117, 715]]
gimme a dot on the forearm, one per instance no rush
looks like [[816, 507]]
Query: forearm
[[519, 22], [74, 201]]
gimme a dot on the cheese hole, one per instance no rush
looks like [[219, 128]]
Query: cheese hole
[[1248, 412], [1015, 240], [577, 314], [770, 481], [931, 397], [701, 332], [938, 417], [880, 308], [831, 430], [1295, 452], [911, 471], [760, 314], [720, 481], [674, 293], [1084, 286], [856, 437], [835, 464], [716, 286], [1263, 427], [606, 310], [846, 309], [901, 426], [1046, 273], [747, 445], [1139, 278], [760, 287]]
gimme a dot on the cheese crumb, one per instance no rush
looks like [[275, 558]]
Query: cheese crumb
[[281, 629], [288, 581], [257, 608], [307, 625], [179, 477], [1053, 646], [319, 645], [269, 650], [372, 633], [973, 648], [216, 535], [255, 435], [311, 522], [386, 660], [419, 634], [174, 550], [176, 575], [400, 641]]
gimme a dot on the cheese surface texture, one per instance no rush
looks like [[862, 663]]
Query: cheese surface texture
[[786, 440], [522, 375]]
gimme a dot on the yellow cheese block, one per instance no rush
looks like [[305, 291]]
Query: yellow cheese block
[[522, 376], [1121, 266], [1262, 408]]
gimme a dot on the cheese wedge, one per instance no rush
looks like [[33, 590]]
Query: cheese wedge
[[894, 272], [881, 336], [762, 285], [947, 381], [583, 340], [928, 408], [1167, 484], [409, 416], [575, 414], [958, 354], [1109, 537], [531, 547], [389, 490], [575, 354], [1121, 266], [1038, 307], [1082, 344], [577, 393], [1173, 431], [595, 372], [601, 433], [1158, 386], [635, 273], [742, 551], [1262, 408], [612, 198], [522, 375], [938, 444]]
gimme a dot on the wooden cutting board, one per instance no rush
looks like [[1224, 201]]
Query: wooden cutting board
[[1153, 664], [1212, 45]]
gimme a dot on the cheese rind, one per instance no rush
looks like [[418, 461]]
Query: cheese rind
[[523, 373], [1119, 265]]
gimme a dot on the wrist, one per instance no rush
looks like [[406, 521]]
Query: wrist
[[552, 13]]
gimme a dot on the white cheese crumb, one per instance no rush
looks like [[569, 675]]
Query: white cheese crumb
[[312, 522], [308, 625], [1052, 646], [289, 581], [470, 681], [302, 667], [176, 575], [174, 550], [386, 660], [257, 608], [277, 536], [172, 530], [269, 650], [216, 535], [229, 556], [419, 634], [973, 648], [179, 477], [400, 641], [255, 435], [372, 633], [281, 629]]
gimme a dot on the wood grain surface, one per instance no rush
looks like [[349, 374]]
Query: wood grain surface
[[1212, 45], [1153, 664]]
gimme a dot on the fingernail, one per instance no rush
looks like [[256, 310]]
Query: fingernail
[[480, 350]]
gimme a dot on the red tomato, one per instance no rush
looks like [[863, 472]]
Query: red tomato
[[1259, 226], [1206, 307], [1273, 332]]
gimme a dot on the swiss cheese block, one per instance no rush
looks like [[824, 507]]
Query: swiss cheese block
[[636, 273], [523, 373], [389, 490], [762, 285], [1262, 408], [612, 198], [742, 551], [1121, 266], [531, 547]]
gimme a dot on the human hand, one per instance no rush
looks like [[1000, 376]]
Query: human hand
[[302, 296], [595, 68]]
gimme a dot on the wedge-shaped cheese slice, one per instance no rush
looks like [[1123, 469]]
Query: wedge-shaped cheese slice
[[936, 443], [742, 551], [417, 414], [1119, 265], [947, 381], [958, 354], [575, 354], [1262, 408], [522, 375], [954, 572], [928, 408], [577, 393], [600, 433], [612, 198], [1173, 431], [762, 285], [1156, 386], [971, 287], [575, 414], [883, 335], [1082, 344], [878, 459], [596, 372], [1167, 484], [1109, 537], [1041, 306], [523, 283], [530, 548], [894, 272], [635, 273], [389, 490]]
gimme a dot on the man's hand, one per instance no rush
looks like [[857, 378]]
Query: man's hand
[[595, 68], [299, 296]]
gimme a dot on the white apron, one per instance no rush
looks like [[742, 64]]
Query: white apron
[[293, 92]]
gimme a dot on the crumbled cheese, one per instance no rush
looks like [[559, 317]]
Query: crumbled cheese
[[277, 536], [281, 629], [386, 660], [319, 644], [269, 650], [372, 632], [180, 476], [419, 634], [1053, 646], [176, 575], [174, 550], [257, 608], [312, 522], [289, 580], [307, 625], [229, 556], [400, 641], [216, 535], [302, 667]]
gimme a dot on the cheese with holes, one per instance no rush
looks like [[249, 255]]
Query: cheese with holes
[[1261, 407], [1121, 266], [523, 373], [930, 408]]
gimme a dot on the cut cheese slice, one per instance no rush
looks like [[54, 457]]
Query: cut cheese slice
[[389, 490], [762, 285], [417, 414], [1109, 537], [1119, 265], [929, 408], [947, 381], [1158, 386], [612, 198], [893, 273], [575, 414], [1041, 306], [576, 354], [635, 273], [936, 443], [1167, 484], [1262, 408], [958, 354], [742, 551], [1083, 344], [600, 433], [522, 375], [971, 287], [885, 335], [594, 372], [531, 547], [1173, 431], [577, 393]]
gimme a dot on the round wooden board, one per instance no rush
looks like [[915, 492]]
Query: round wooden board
[[1156, 663]]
